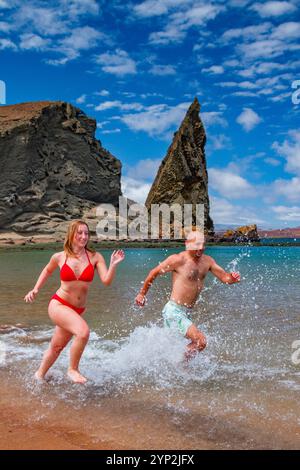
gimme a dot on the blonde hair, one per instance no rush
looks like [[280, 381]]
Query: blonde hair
[[193, 228], [72, 229]]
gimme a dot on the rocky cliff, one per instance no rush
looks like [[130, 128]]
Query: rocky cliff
[[182, 175], [245, 233], [52, 169]]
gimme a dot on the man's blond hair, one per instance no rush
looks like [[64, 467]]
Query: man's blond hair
[[193, 228]]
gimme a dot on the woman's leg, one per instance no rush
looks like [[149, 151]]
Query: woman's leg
[[73, 323], [59, 341]]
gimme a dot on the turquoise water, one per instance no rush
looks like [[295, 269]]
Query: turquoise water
[[246, 373], [280, 240]]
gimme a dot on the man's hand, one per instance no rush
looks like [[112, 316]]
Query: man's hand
[[31, 295], [140, 300], [117, 257], [236, 277]]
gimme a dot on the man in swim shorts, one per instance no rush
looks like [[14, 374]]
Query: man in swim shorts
[[189, 269]]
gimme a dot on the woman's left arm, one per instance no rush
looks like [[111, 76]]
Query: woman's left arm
[[107, 275]]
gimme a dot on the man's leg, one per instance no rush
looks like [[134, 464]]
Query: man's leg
[[197, 344]]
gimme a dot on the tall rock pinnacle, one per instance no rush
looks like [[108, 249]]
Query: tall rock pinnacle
[[182, 175]]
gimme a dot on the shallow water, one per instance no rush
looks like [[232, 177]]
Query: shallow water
[[242, 391]]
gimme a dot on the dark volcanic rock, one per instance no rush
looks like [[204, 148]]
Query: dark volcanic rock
[[246, 233], [182, 175], [52, 169]]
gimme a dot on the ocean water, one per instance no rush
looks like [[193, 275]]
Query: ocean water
[[241, 392]]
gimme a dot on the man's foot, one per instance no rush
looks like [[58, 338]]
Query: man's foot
[[189, 354], [76, 377]]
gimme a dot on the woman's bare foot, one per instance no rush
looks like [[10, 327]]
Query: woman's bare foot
[[76, 377], [39, 377]]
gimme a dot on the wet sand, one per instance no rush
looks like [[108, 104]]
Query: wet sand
[[17, 434], [35, 426], [33, 421]]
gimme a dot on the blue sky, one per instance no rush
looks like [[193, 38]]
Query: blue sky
[[136, 67]]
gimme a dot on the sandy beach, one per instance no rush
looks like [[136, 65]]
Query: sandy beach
[[32, 425], [30, 422]]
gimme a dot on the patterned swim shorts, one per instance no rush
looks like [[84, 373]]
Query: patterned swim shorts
[[175, 317]]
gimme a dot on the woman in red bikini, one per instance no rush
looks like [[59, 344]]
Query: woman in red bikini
[[77, 264]]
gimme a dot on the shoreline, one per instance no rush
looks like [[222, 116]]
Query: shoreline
[[47, 243]]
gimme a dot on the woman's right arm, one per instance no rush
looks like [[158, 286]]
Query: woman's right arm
[[47, 271]]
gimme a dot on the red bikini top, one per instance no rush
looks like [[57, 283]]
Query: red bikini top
[[67, 273]]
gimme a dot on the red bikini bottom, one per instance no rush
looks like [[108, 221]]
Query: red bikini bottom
[[79, 310]]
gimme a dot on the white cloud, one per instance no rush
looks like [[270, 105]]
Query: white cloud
[[181, 20], [224, 212], [262, 68], [168, 35], [102, 93], [5, 4], [281, 97], [150, 8], [272, 161], [263, 41], [156, 119], [56, 18], [118, 104], [290, 189], [144, 169], [44, 21], [214, 69], [82, 38], [118, 63], [220, 141], [211, 118], [248, 119], [245, 85], [247, 33], [81, 99], [108, 105], [162, 70], [288, 214], [196, 15], [273, 8], [5, 27], [111, 131], [285, 31], [229, 184], [7, 44], [290, 150], [266, 48], [76, 8], [69, 54], [33, 41], [101, 124], [136, 190], [245, 93], [265, 86]]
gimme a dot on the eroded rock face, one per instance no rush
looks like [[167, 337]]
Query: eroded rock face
[[182, 175], [241, 234], [52, 169]]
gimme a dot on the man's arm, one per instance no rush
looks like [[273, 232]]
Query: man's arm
[[223, 276], [166, 266]]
